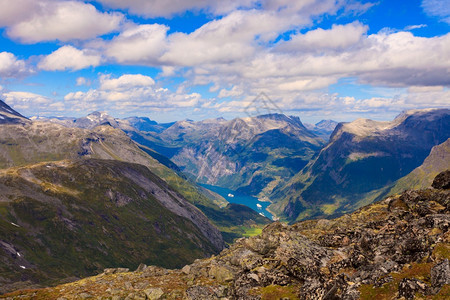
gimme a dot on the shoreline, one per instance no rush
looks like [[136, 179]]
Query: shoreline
[[274, 216]]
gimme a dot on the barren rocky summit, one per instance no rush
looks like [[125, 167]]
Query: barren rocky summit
[[398, 248]]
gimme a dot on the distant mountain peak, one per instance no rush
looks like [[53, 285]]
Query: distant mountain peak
[[326, 123], [365, 127], [101, 114], [410, 112], [272, 115], [323, 128]]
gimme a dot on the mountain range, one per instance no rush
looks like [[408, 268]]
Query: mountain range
[[361, 163], [252, 155], [277, 158], [103, 186], [85, 196]]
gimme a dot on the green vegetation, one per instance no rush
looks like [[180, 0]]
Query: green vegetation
[[85, 216], [235, 220], [276, 292]]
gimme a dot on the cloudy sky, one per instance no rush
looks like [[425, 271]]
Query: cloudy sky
[[176, 59]]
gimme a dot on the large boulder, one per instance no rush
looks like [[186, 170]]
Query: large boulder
[[442, 181]]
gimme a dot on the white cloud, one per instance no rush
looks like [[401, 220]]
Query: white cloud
[[131, 93], [11, 67], [412, 27], [402, 59], [168, 71], [68, 57], [234, 37], [12, 11], [140, 44], [339, 37], [437, 8], [25, 101], [425, 89], [307, 84], [83, 81], [233, 92], [31, 104], [47, 20], [297, 80], [220, 41], [167, 8], [399, 59], [124, 82], [320, 104]]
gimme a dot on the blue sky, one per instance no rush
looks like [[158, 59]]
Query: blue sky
[[197, 59]]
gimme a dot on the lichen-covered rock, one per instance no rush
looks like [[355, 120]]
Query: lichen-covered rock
[[221, 273], [154, 293], [409, 287], [440, 274]]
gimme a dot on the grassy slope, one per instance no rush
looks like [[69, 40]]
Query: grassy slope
[[76, 218], [422, 177]]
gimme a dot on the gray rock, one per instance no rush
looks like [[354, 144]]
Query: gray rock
[[221, 273], [201, 293], [115, 270], [154, 293], [440, 274], [84, 296], [186, 269], [141, 268], [154, 271]]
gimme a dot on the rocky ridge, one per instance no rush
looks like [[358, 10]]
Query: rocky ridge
[[396, 248], [9, 115]]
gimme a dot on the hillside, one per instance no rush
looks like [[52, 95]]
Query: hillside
[[361, 163], [398, 247], [252, 155], [70, 219], [422, 176]]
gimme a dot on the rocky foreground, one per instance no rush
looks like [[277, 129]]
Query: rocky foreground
[[396, 248]]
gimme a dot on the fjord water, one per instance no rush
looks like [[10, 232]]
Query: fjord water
[[238, 198]]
